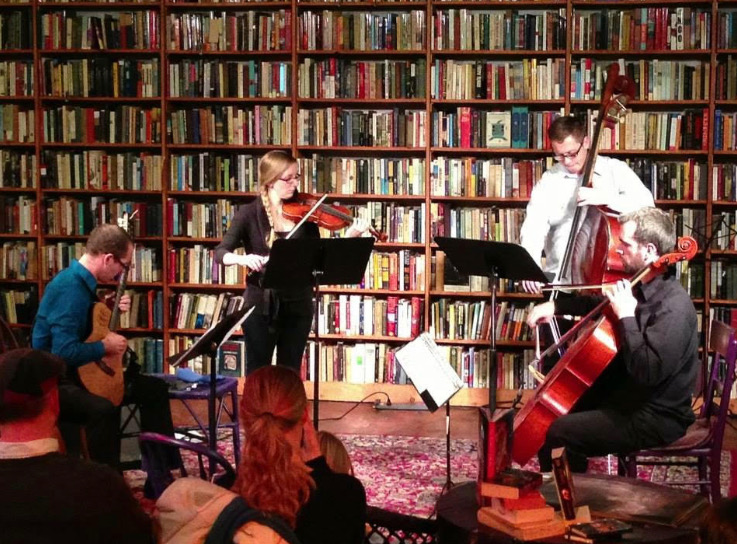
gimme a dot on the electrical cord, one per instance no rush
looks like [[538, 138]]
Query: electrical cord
[[388, 403]]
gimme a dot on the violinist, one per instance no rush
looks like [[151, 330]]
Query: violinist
[[554, 198], [62, 325], [282, 318], [643, 398]]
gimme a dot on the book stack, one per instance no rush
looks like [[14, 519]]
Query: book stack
[[512, 503], [598, 530]]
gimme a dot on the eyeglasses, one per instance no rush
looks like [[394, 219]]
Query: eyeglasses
[[122, 263], [292, 179], [569, 155]]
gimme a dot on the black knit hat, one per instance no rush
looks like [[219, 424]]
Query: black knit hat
[[26, 373]]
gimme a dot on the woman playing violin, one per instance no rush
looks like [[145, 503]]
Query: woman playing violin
[[282, 318], [643, 398]]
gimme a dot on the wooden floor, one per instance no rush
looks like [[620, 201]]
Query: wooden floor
[[365, 419]]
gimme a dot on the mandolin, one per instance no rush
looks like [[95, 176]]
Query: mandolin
[[104, 378]]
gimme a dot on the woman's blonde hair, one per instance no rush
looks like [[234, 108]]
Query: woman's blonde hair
[[272, 476], [271, 166], [336, 456]]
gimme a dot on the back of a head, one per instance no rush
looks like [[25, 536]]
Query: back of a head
[[335, 453], [272, 476], [27, 377], [108, 238]]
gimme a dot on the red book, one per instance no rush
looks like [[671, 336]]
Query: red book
[[416, 312], [391, 315], [529, 500]]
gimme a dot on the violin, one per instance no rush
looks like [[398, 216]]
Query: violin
[[328, 216]]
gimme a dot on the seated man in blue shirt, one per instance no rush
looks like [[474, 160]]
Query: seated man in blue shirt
[[64, 322]]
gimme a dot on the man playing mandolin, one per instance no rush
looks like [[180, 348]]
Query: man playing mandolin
[[556, 195], [64, 322], [643, 397]]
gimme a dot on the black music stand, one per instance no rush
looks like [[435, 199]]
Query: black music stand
[[313, 262], [208, 344], [495, 260]]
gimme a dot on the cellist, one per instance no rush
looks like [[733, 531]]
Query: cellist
[[554, 198], [643, 398]]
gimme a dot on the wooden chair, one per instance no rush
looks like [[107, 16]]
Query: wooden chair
[[701, 446], [8, 340]]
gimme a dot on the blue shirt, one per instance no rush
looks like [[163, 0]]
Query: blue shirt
[[63, 322]]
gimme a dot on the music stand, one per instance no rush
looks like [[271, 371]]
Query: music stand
[[495, 260], [208, 344], [303, 262]]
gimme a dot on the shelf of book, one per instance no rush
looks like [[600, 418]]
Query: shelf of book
[[426, 117]]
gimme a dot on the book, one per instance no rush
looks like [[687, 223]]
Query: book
[[232, 359], [528, 515], [531, 499], [564, 483], [511, 483], [525, 531], [495, 442], [598, 530]]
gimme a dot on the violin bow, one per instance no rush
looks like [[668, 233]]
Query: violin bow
[[307, 215]]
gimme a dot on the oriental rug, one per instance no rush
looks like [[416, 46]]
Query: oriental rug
[[407, 474]]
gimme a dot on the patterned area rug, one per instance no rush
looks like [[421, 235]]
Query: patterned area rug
[[407, 474]]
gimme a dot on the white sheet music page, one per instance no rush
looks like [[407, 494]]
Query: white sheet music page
[[428, 369]]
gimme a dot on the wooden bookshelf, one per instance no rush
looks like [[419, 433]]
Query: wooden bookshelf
[[413, 113]]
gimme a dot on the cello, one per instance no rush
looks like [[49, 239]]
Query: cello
[[594, 348]]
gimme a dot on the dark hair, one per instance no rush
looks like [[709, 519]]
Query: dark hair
[[19, 411], [719, 526], [108, 238], [567, 125], [653, 226]]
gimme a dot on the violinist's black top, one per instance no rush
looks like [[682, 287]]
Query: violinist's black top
[[654, 373]]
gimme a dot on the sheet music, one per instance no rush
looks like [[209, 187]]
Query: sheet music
[[428, 369]]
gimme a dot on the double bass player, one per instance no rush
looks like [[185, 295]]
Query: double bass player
[[643, 398]]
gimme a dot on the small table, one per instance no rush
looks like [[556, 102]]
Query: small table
[[642, 503], [225, 388]]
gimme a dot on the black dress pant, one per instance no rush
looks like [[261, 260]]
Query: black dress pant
[[101, 418]]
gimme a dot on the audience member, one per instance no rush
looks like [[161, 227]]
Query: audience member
[[336, 456], [719, 526], [47, 496], [282, 474]]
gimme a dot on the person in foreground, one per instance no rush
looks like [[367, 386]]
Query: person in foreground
[[47, 496], [643, 398], [62, 325], [549, 217], [282, 318], [282, 474], [719, 525]]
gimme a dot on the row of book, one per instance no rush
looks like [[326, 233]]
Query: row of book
[[16, 77], [213, 171], [101, 170], [16, 29], [18, 215], [201, 310], [362, 175], [653, 79], [357, 315], [336, 126], [402, 270], [146, 263], [219, 78], [114, 124], [101, 76], [231, 357], [198, 219], [692, 222], [150, 353], [197, 265], [19, 306], [445, 277], [362, 31], [123, 30], [468, 320], [66, 216], [146, 311], [723, 226], [499, 178], [18, 260], [233, 125], [17, 124], [725, 131], [727, 30], [662, 131], [725, 85], [467, 127], [472, 30], [229, 31], [402, 224], [647, 28], [362, 79], [672, 180], [17, 169], [723, 279], [488, 223], [724, 181]]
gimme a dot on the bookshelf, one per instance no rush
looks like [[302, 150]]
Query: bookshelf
[[427, 117]]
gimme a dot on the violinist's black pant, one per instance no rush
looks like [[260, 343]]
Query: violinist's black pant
[[595, 433], [101, 418]]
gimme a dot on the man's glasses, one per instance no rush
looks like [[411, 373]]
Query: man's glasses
[[569, 155], [122, 263]]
